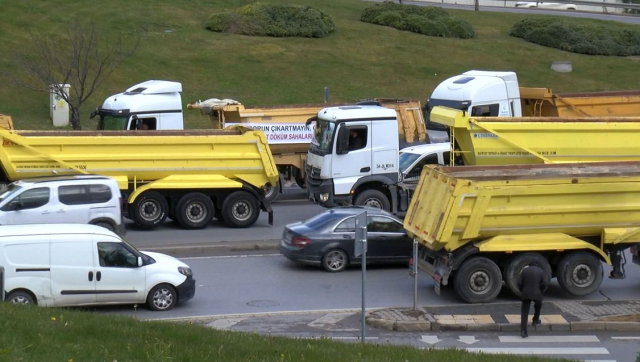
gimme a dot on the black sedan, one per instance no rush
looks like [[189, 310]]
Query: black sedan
[[328, 239]]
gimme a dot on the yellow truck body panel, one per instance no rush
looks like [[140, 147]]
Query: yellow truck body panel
[[169, 159], [542, 102], [523, 208], [6, 122], [530, 140]]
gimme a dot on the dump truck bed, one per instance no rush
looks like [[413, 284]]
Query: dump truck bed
[[208, 156], [527, 140], [541, 102], [454, 205]]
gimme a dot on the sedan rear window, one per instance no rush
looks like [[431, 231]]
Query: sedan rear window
[[322, 220]]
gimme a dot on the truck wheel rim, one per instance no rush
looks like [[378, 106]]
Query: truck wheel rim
[[149, 210], [269, 190], [335, 260], [582, 275], [375, 203], [195, 212], [241, 210], [162, 298], [480, 282]]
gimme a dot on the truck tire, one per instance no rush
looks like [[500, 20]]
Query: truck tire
[[194, 211], [478, 280], [149, 210], [162, 297], [20, 297], [335, 260], [272, 193], [515, 266], [580, 273], [240, 209], [373, 198]]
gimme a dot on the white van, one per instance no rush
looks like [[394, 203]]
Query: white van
[[76, 264], [82, 199]]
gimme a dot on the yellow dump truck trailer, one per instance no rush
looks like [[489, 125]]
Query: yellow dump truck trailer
[[542, 102], [289, 135], [479, 226], [190, 176], [526, 140]]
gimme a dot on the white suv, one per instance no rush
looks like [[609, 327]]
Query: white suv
[[85, 199]]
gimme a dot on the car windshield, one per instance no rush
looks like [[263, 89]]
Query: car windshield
[[406, 160], [8, 190], [109, 122], [323, 137], [324, 219]]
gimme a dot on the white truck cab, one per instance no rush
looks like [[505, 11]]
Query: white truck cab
[[150, 105]]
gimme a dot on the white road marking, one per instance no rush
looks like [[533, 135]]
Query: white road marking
[[548, 339], [333, 337], [468, 339], [537, 351], [231, 256], [329, 321], [625, 337], [599, 360], [430, 339], [225, 323]]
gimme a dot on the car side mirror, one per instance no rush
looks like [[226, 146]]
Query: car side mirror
[[342, 145], [139, 261]]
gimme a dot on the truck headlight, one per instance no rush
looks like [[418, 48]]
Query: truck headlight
[[185, 271], [324, 197]]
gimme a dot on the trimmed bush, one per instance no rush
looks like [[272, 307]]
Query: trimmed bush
[[262, 19], [583, 39], [426, 20]]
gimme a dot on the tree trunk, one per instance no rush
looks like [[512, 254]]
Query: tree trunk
[[75, 118]]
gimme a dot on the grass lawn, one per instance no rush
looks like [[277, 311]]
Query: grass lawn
[[40, 334], [357, 61]]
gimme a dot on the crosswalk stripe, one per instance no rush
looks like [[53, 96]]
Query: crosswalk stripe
[[537, 351], [599, 360], [548, 339], [625, 337]]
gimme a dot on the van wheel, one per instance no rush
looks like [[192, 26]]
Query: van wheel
[[162, 297], [373, 198], [20, 297], [516, 265], [194, 211], [240, 209], [106, 225], [580, 273], [478, 280], [149, 210]]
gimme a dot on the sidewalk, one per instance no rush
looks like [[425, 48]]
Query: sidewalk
[[621, 316], [193, 249]]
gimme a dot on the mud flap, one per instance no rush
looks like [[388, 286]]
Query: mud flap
[[267, 208]]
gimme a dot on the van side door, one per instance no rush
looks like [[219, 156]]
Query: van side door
[[73, 276], [31, 206], [119, 278]]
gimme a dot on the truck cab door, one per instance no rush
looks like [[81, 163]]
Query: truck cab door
[[354, 160]]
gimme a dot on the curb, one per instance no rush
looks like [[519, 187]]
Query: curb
[[213, 247]]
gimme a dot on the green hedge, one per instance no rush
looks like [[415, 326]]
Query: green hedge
[[427, 20], [583, 39], [275, 20]]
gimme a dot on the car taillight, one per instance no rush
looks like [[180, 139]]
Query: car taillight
[[299, 241]]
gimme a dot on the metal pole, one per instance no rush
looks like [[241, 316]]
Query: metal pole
[[364, 282], [415, 275], [1, 283]]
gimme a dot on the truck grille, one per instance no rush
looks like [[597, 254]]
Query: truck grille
[[313, 175]]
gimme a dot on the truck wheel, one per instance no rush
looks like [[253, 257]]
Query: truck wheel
[[240, 209], [478, 280], [194, 211], [373, 198], [516, 265], [335, 260], [162, 297], [580, 273], [20, 297], [272, 193], [149, 210]]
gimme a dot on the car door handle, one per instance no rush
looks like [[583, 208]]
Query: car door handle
[[365, 169], [91, 276], [45, 212], [61, 211], [98, 276], [346, 237]]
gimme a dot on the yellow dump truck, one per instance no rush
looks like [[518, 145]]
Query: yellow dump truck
[[542, 102], [479, 226], [525, 140], [6, 122], [189, 176], [289, 134]]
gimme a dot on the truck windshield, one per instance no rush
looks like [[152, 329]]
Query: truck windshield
[[406, 160], [461, 105], [112, 123], [323, 137], [9, 190]]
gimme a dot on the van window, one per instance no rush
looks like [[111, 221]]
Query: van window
[[29, 199], [84, 194], [116, 255]]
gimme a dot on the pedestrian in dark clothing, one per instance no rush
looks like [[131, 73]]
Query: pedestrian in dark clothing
[[532, 284]]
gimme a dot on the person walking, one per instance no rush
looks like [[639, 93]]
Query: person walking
[[532, 284]]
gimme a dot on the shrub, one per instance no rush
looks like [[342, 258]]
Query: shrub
[[427, 20], [276, 20], [583, 39]]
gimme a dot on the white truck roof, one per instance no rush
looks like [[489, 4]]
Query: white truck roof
[[478, 86], [155, 87], [355, 112], [165, 97]]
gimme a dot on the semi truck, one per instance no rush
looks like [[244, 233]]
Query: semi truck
[[189, 176], [479, 226], [157, 105]]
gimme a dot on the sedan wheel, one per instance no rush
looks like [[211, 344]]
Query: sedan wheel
[[335, 260]]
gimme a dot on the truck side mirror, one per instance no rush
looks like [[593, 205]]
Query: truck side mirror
[[93, 114], [137, 121], [311, 120], [342, 145]]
